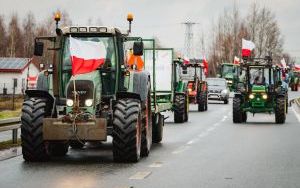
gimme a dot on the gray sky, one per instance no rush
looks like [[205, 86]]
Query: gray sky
[[160, 18]]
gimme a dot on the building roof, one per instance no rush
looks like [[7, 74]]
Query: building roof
[[16, 65]]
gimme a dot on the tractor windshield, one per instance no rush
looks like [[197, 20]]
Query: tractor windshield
[[260, 76], [109, 66], [227, 69]]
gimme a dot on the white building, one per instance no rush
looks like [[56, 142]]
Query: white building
[[21, 69]]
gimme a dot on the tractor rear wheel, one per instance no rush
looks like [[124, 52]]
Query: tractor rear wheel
[[237, 113], [127, 131], [186, 108], [33, 145], [280, 110], [147, 127], [179, 108], [75, 144], [157, 129], [201, 102]]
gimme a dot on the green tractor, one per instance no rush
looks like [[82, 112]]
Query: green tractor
[[170, 93], [261, 92], [294, 82], [193, 74], [113, 100], [230, 72]]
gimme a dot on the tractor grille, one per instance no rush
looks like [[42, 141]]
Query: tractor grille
[[84, 89], [214, 91]]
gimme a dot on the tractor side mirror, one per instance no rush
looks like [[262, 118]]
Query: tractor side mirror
[[138, 48], [38, 48]]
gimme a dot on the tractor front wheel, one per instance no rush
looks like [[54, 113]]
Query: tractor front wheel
[[236, 111], [280, 110], [127, 131], [58, 149], [33, 145], [202, 102]]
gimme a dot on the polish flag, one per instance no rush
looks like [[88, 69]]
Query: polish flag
[[186, 61], [86, 56], [283, 63], [297, 67], [205, 64], [247, 47]]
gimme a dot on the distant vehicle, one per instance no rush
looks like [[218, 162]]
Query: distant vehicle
[[218, 89]]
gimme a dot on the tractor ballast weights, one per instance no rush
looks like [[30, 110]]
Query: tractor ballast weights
[[70, 109], [260, 92]]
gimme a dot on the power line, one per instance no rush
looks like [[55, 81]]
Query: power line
[[189, 39]]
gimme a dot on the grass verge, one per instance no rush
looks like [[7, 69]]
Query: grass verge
[[9, 144]]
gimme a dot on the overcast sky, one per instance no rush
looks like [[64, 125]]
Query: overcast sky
[[161, 18]]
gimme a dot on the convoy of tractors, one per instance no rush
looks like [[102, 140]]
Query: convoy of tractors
[[127, 100]]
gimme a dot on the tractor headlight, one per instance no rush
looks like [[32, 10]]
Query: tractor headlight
[[264, 96], [70, 102], [251, 96], [229, 81], [88, 102], [190, 89]]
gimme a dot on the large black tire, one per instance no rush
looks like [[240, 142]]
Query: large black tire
[[127, 131], [206, 102], [186, 108], [157, 129], [201, 100], [33, 145], [179, 108], [280, 110], [75, 144], [58, 149], [237, 113], [147, 127]]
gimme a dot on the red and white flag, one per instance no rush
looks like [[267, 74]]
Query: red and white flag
[[283, 63], [297, 67], [247, 47], [86, 56], [205, 65], [186, 61]]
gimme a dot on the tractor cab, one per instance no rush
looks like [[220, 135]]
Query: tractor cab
[[231, 73]]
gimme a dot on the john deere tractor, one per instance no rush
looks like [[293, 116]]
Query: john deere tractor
[[261, 92], [193, 74], [230, 72], [113, 100]]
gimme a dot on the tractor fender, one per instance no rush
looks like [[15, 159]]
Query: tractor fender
[[42, 82], [34, 93], [140, 85]]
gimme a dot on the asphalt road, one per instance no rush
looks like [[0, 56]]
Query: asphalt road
[[208, 151]]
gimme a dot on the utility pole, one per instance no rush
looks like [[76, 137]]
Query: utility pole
[[189, 39]]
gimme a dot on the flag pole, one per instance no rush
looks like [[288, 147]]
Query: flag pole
[[73, 78]]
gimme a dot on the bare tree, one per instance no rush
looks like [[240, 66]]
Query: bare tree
[[15, 39], [3, 41], [29, 34]]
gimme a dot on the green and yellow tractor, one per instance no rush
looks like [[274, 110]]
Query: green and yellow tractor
[[261, 92], [230, 72], [113, 100]]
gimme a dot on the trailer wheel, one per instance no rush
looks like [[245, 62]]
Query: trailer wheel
[[157, 129], [33, 145], [201, 102], [179, 108], [147, 127], [75, 144], [236, 111], [127, 131], [58, 149], [280, 110]]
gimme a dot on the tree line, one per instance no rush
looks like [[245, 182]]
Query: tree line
[[259, 25]]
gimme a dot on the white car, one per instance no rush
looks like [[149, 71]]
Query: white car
[[218, 89]]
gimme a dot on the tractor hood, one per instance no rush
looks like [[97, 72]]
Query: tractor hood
[[87, 87], [258, 88], [229, 76]]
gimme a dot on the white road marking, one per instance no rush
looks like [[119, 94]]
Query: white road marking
[[140, 175], [296, 114], [156, 165], [181, 149]]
